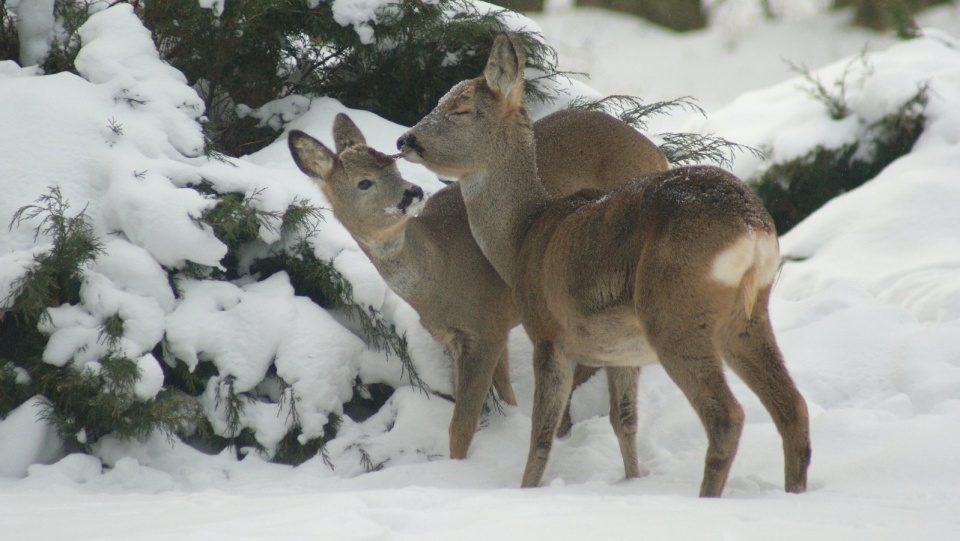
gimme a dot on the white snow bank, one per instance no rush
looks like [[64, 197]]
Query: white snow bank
[[26, 439], [363, 15], [118, 52]]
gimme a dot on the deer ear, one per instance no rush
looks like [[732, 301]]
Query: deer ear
[[504, 71], [310, 155], [346, 133]]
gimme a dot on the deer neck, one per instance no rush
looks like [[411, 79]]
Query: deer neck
[[500, 200], [397, 254]]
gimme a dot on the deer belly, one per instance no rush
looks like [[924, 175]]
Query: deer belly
[[610, 343]]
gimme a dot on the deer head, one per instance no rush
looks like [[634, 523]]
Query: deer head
[[364, 186], [459, 128]]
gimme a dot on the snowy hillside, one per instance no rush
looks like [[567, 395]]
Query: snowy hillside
[[866, 310]]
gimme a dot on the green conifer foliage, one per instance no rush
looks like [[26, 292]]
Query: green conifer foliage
[[14, 383], [9, 39], [257, 51], [794, 189], [84, 405], [70, 16], [679, 148], [237, 221], [321, 282], [56, 275]]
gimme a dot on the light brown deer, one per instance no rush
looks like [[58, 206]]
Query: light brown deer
[[674, 268], [431, 259]]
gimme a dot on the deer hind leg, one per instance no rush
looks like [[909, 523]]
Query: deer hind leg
[[753, 355], [501, 379], [553, 376], [622, 382], [475, 363], [690, 359], [580, 375]]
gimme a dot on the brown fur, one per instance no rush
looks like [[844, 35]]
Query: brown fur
[[431, 259], [674, 268]]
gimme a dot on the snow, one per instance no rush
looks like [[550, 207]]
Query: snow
[[24, 441], [35, 28], [739, 51], [361, 14], [215, 5], [244, 330], [867, 312]]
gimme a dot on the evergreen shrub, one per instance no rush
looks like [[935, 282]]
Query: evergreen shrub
[[236, 221], [792, 190], [244, 54], [259, 51], [679, 148], [83, 404], [9, 39]]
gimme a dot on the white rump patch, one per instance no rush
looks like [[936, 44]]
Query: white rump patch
[[732, 263]]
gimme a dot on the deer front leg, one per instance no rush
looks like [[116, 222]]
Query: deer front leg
[[474, 365], [553, 377]]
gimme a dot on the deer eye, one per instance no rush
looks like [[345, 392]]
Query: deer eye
[[365, 184]]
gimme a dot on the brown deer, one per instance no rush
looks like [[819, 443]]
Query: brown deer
[[431, 259], [674, 268]]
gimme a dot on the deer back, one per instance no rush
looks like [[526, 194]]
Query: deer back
[[588, 258], [579, 149]]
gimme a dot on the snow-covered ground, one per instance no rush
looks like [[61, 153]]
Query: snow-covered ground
[[868, 315]]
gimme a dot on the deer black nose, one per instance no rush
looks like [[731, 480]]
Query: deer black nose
[[410, 148], [409, 195]]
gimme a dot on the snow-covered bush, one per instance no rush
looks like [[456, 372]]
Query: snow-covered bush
[[9, 38], [793, 189], [44, 32], [156, 288], [392, 58], [871, 109]]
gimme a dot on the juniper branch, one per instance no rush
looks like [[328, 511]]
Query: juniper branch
[[690, 148], [633, 111]]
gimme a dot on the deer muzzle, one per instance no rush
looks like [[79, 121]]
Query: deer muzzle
[[409, 148], [412, 200]]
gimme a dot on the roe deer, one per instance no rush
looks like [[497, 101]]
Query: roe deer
[[674, 268], [432, 261]]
